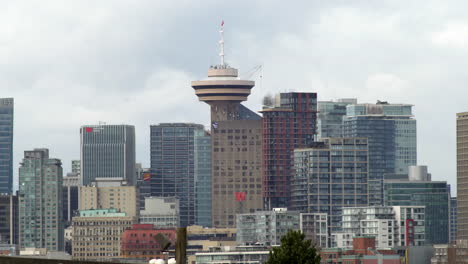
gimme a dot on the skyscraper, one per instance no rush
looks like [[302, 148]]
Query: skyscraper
[[6, 145], [391, 131], [288, 124], [173, 165], [108, 151], [40, 205], [236, 150], [330, 175], [462, 175], [330, 117]]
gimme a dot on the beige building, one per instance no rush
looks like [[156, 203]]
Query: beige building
[[122, 198], [236, 150], [462, 175], [96, 234], [202, 239]]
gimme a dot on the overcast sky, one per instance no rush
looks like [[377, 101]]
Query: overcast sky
[[71, 63]]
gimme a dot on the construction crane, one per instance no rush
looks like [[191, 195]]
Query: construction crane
[[250, 73]]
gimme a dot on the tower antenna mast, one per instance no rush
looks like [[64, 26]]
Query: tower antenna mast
[[221, 43]]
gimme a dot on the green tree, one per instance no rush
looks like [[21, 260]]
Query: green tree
[[294, 249]]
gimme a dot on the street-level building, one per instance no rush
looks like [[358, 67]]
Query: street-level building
[[97, 234], [234, 255], [266, 227], [161, 212]]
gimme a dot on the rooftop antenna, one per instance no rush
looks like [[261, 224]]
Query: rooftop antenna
[[221, 43]]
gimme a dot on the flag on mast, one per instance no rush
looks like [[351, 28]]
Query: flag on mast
[[222, 23]]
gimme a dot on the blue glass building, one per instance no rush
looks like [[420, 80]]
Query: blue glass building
[[173, 167], [6, 145], [203, 180], [421, 191], [391, 132]]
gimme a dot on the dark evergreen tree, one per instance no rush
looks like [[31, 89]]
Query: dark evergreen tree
[[294, 249]]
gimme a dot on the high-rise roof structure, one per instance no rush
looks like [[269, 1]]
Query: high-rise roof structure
[[6, 145], [462, 175], [108, 152], [236, 138], [288, 124], [391, 133], [40, 205], [330, 117]]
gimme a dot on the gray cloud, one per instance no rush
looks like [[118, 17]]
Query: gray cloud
[[70, 63]]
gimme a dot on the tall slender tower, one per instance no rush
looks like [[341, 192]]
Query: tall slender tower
[[6, 145], [236, 143], [462, 175]]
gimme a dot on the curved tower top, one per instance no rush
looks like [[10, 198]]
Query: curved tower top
[[223, 83]]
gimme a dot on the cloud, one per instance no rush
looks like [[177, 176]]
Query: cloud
[[70, 63]]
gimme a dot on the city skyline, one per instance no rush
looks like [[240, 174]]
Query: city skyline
[[109, 69]]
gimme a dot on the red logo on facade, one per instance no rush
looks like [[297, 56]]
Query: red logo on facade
[[240, 196], [88, 129]]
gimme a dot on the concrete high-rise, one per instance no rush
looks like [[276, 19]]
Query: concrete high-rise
[[391, 131], [173, 165], [108, 151], [330, 175], [236, 144], [40, 205], [462, 175], [6, 145], [288, 123]]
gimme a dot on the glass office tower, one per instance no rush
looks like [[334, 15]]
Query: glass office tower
[[6, 145]]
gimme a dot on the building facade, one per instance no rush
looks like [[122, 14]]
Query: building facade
[[6, 145], [266, 227], [123, 198], [234, 255], [161, 212], [419, 190], [453, 220], [70, 199], [236, 149], [462, 175], [9, 219], [173, 165], [288, 124], [107, 151], [40, 205], [391, 226], [97, 234], [391, 133], [140, 242], [330, 117], [315, 228], [203, 180], [331, 175]]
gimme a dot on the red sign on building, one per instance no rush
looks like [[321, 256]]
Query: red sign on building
[[88, 129], [240, 196]]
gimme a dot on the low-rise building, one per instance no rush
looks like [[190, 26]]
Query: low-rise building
[[97, 233], [140, 242], [234, 255], [363, 251], [390, 225], [201, 238], [266, 227], [315, 228], [162, 212]]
